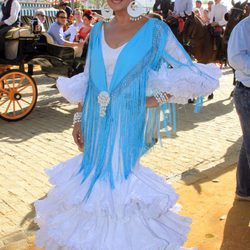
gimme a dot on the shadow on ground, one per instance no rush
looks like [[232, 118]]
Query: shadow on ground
[[238, 220], [191, 176]]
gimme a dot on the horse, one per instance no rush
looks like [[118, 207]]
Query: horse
[[233, 17], [177, 25], [197, 36], [200, 41]]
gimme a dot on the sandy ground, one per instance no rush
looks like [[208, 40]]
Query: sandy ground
[[219, 222]]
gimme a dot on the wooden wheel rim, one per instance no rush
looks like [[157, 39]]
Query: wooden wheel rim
[[14, 86]]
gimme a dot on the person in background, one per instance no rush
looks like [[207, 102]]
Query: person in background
[[63, 5], [197, 12], [162, 7], [87, 25], [97, 17], [217, 21], [218, 12], [40, 15], [198, 5], [74, 28], [9, 17], [210, 5], [248, 9], [183, 6], [56, 31], [205, 17], [239, 58]]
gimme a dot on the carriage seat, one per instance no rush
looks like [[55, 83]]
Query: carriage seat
[[50, 40], [17, 32]]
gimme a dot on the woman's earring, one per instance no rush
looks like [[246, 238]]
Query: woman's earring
[[135, 10], [107, 13]]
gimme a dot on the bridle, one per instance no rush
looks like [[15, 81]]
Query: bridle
[[191, 36], [235, 8]]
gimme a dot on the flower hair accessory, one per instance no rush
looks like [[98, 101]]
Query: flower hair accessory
[[103, 100], [88, 12]]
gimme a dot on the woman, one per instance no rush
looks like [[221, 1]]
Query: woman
[[85, 30], [74, 28], [205, 17], [104, 199]]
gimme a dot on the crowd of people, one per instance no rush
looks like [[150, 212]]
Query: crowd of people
[[70, 28]]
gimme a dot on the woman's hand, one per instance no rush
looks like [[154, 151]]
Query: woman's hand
[[77, 135], [151, 102]]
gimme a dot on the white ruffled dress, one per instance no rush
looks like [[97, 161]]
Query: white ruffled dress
[[141, 212]]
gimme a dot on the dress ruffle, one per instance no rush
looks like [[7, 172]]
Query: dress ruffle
[[185, 82], [73, 89], [139, 214]]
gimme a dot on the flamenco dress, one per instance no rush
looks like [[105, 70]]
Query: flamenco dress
[[135, 212]]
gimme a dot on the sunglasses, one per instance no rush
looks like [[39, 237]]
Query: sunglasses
[[63, 17]]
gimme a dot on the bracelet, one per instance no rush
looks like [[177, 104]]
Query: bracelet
[[160, 96], [77, 117]]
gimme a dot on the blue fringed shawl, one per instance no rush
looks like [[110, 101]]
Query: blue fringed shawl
[[126, 112]]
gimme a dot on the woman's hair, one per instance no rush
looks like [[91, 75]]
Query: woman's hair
[[59, 12], [154, 15], [39, 12], [88, 14], [77, 10]]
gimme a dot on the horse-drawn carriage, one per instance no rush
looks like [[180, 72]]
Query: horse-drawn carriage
[[18, 90]]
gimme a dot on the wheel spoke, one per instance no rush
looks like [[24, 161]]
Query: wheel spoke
[[25, 101], [20, 83], [14, 108], [8, 107], [13, 80], [4, 102], [24, 88], [4, 91], [19, 105], [6, 82]]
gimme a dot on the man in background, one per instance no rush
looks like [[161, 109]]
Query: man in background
[[239, 59], [162, 7], [65, 7], [217, 21], [40, 15], [198, 5], [9, 17], [183, 6], [56, 31]]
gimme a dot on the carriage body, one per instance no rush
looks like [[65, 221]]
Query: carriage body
[[18, 91]]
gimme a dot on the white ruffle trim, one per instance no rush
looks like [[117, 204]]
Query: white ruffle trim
[[73, 89], [139, 214], [185, 82]]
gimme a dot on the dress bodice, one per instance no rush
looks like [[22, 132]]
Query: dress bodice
[[110, 56]]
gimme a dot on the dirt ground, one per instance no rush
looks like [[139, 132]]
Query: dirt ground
[[219, 222]]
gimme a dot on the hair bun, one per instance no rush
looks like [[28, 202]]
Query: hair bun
[[88, 12]]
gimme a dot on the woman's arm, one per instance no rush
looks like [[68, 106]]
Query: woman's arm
[[77, 131]]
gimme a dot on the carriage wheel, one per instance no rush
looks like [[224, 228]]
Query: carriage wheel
[[18, 95]]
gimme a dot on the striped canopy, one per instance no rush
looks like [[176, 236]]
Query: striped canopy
[[28, 9]]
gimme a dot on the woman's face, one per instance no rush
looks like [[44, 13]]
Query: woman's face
[[86, 21], [118, 5], [78, 16], [205, 13]]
